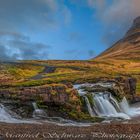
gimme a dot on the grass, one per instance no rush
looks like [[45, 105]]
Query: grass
[[13, 76], [67, 71], [138, 88]]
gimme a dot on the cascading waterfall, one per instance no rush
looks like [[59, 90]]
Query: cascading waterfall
[[10, 117], [107, 106], [38, 113], [131, 111], [90, 110], [104, 105], [4, 115], [115, 103], [124, 105]]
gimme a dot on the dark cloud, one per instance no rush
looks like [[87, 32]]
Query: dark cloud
[[19, 17], [32, 14], [17, 46], [16, 14]]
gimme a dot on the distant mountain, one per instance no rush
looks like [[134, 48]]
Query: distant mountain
[[126, 48]]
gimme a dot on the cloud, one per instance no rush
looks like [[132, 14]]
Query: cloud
[[32, 14], [75, 54], [116, 15], [67, 15], [19, 19], [29, 14], [17, 46], [98, 4]]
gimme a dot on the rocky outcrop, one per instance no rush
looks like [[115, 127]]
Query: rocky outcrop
[[55, 97], [119, 87], [61, 99], [128, 86], [48, 93]]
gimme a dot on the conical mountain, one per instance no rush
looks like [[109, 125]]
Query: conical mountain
[[126, 48]]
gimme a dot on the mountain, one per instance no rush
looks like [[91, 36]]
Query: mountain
[[126, 48]]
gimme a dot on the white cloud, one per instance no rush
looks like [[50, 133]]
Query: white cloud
[[117, 16]]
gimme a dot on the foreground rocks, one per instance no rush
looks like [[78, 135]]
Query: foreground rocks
[[46, 131], [119, 87], [57, 100], [61, 100]]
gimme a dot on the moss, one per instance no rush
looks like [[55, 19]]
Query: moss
[[82, 101], [138, 88], [86, 88], [90, 98], [118, 98], [24, 70], [53, 92], [84, 117], [69, 90], [41, 105], [30, 83]]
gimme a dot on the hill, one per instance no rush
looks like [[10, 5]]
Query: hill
[[126, 48]]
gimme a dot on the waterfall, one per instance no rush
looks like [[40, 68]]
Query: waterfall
[[38, 113], [105, 106], [35, 105], [90, 110], [131, 111], [115, 103], [4, 115], [124, 105]]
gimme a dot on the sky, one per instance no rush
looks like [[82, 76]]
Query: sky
[[62, 29]]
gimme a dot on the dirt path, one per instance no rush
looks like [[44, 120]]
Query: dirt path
[[47, 69]]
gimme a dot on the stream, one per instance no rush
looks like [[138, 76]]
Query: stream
[[102, 104]]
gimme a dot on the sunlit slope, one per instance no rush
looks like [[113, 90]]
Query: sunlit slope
[[126, 48]]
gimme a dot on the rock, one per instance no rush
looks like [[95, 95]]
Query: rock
[[128, 85], [120, 87], [69, 84], [54, 97]]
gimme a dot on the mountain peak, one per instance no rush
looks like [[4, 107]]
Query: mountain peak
[[134, 31], [136, 21], [126, 48]]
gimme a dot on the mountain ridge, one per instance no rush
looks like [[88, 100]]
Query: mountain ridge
[[126, 48]]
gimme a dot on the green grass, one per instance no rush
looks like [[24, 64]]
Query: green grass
[[66, 71]]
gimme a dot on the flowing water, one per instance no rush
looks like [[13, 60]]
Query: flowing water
[[4, 115], [9, 116], [38, 113], [90, 110], [101, 104], [105, 105]]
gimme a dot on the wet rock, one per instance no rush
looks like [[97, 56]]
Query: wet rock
[[128, 86], [119, 87], [54, 98]]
